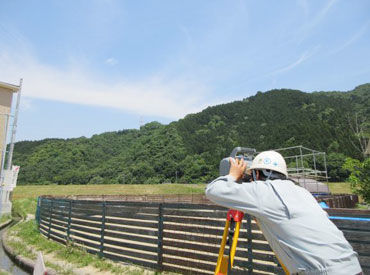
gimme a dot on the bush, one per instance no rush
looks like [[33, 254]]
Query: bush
[[96, 180], [359, 177], [336, 171]]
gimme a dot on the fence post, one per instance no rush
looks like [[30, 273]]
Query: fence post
[[249, 244], [38, 212], [50, 214], [102, 231], [69, 220], [160, 237]]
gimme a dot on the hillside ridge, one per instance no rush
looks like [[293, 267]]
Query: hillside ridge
[[189, 150]]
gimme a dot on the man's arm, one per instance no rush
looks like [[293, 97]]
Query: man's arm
[[226, 190]]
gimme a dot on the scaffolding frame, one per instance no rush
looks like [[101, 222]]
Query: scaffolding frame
[[306, 165], [300, 171]]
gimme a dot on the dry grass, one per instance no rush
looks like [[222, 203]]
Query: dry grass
[[24, 197], [33, 191], [340, 187]]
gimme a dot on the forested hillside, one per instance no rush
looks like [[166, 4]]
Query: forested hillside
[[190, 149]]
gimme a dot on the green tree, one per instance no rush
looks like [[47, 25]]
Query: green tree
[[336, 171], [360, 177], [189, 150]]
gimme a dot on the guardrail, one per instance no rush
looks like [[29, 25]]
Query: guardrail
[[180, 237]]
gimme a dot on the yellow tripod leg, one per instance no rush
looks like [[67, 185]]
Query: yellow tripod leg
[[220, 259], [224, 265], [283, 266], [223, 262], [235, 242]]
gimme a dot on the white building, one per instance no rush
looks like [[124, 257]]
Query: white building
[[8, 125]]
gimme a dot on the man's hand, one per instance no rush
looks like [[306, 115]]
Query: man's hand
[[237, 168]]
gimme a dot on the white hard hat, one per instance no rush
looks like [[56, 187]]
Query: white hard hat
[[270, 160]]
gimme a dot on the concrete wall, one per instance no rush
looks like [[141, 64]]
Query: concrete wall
[[6, 97]]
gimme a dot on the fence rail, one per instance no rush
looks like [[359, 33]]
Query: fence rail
[[168, 236], [333, 201]]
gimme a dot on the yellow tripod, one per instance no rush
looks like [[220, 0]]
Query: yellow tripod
[[233, 222]]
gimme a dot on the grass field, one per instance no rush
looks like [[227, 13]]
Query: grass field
[[33, 191], [24, 197], [340, 187]]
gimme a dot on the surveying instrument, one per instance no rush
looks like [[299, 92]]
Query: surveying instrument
[[234, 218]]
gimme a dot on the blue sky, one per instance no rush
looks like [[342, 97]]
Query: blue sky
[[106, 65]]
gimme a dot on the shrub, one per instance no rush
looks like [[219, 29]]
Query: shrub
[[359, 177]]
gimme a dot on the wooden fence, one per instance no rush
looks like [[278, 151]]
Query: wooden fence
[[356, 231], [339, 200], [184, 238], [180, 237]]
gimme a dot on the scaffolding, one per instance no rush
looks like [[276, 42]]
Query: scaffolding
[[307, 167]]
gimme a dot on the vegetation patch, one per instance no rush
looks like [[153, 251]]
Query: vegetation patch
[[360, 177], [24, 206], [340, 187], [4, 218]]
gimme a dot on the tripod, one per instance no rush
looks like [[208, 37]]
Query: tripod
[[233, 222], [230, 236]]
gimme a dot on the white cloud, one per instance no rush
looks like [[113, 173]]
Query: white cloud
[[322, 13], [352, 39], [291, 66], [153, 96], [111, 61], [316, 18], [306, 55]]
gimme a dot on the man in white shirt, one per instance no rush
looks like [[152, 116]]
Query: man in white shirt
[[299, 232]]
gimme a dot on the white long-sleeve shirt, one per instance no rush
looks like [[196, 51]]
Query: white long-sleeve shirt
[[297, 229]]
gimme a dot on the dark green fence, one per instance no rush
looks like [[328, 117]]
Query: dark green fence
[[180, 237]]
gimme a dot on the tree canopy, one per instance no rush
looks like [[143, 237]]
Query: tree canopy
[[189, 150]]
